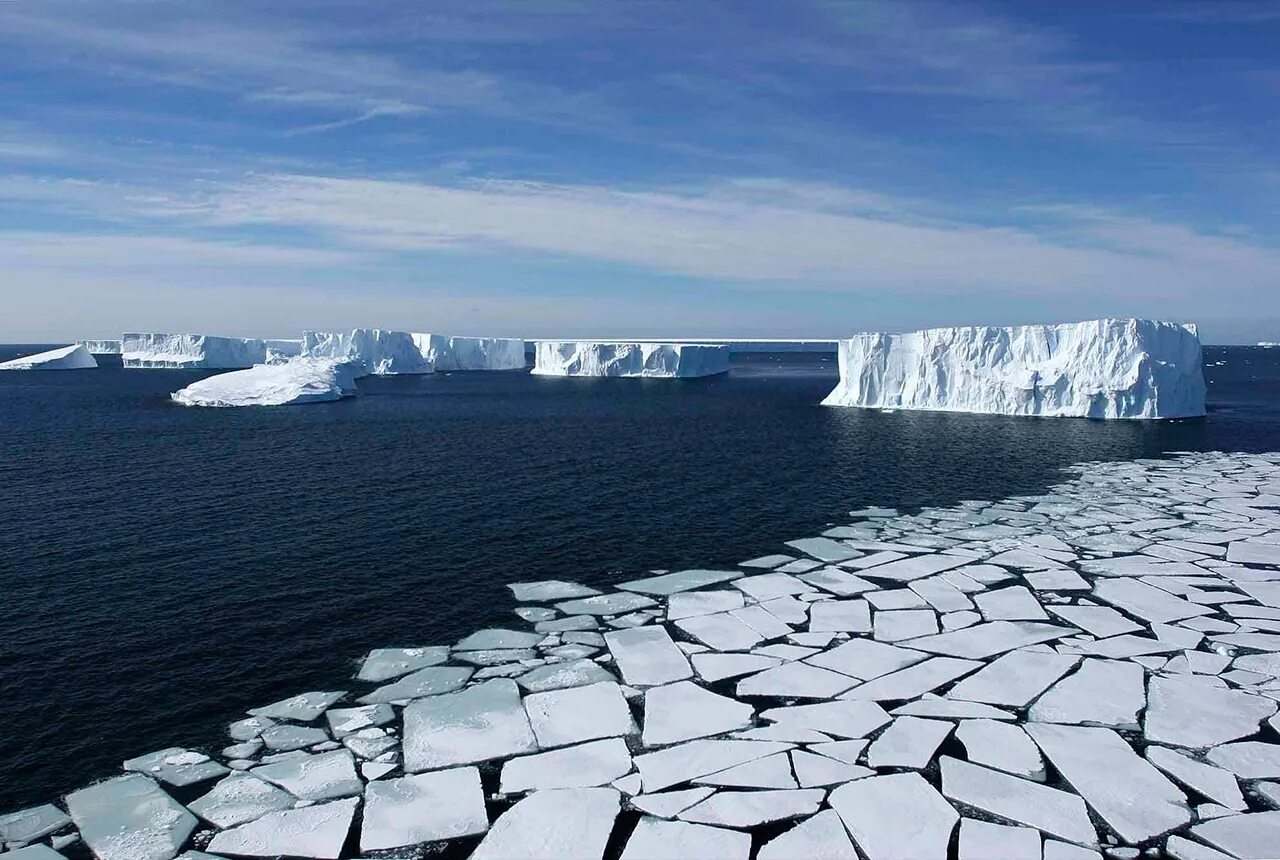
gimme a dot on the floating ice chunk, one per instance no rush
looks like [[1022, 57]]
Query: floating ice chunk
[[293, 382], [1001, 746], [991, 638], [1101, 621], [560, 824], [914, 680], [28, 825], [480, 723], [382, 664], [35, 852], [1097, 369], [866, 659], [606, 604], [1130, 795], [941, 595], [344, 721], [249, 728], [847, 752], [101, 346], [1146, 601], [452, 353], [314, 777], [752, 808], [302, 708], [576, 714], [647, 657], [982, 840], [915, 567], [1253, 552], [432, 681], [1187, 713], [317, 831], [1055, 812], [819, 837], [846, 718], [767, 561], [930, 705], [684, 711], [496, 638], [702, 603], [908, 742], [1218, 785], [549, 589], [130, 818], [1253, 836], [668, 804], [74, 357], [895, 816], [841, 616], [602, 358], [825, 549], [721, 631], [1010, 604], [427, 807], [1101, 692], [682, 580], [795, 680], [686, 761], [837, 582], [655, 839], [177, 766], [240, 798], [582, 766], [1056, 850], [558, 676], [1014, 678], [1248, 759], [772, 771], [896, 625], [285, 738], [717, 667]]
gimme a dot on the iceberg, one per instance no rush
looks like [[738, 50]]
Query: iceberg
[[298, 380], [605, 358], [1099, 369], [101, 347], [74, 357], [190, 351], [376, 351], [446, 353]]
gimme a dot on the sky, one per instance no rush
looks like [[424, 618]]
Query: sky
[[682, 168]]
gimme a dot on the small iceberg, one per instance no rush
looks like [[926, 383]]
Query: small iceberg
[[74, 357], [605, 358], [299, 380]]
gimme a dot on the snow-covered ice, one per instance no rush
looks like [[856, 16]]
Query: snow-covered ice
[[130, 818], [74, 357], [425, 807], [190, 351], [895, 816], [448, 353], [317, 831], [477, 724], [560, 824], [292, 382], [373, 351], [1097, 369], [607, 358]]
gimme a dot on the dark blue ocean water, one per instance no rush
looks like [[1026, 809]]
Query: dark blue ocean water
[[162, 569]]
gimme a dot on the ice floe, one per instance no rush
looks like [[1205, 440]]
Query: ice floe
[[74, 357]]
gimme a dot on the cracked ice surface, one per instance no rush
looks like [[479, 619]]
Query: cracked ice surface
[[1093, 668]]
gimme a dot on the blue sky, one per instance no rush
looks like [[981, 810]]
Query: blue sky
[[627, 169]]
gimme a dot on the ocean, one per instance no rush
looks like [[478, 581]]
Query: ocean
[[162, 569]]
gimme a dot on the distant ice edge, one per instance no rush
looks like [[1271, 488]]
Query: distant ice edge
[[1105, 369], [611, 358]]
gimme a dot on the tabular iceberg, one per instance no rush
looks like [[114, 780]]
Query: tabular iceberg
[[1098, 369], [299, 380], [102, 347], [190, 351], [604, 358], [448, 353], [377, 351], [74, 357]]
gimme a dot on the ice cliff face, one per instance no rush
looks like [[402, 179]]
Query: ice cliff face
[[600, 358], [1098, 369], [190, 351], [74, 357], [102, 347], [298, 380], [378, 351], [471, 353]]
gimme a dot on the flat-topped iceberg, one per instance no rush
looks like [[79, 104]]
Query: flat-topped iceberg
[[1099, 369], [609, 358], [299, 380], [74, 357], [190, 351], [101, 347], [448, 353], [376, 351]]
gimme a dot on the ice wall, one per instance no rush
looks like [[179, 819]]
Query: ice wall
[[1129, 368], [601, 358], [102, 347], [190, 351], [74, 357], [379, 351], [448, 353], [298, 380]]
